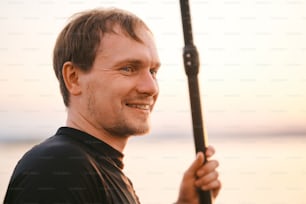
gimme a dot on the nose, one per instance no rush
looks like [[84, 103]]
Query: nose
[[147, 84]]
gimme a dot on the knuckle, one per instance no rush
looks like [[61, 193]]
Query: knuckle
[[217, 174]]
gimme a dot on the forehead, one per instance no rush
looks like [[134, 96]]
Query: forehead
[[117, 46]]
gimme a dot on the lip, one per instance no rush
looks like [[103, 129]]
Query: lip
[[139, 106], [142, 106]]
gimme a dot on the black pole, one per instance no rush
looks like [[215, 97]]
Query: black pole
[[191, 63]]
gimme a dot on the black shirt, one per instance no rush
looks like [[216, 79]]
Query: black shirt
[[71, 167]]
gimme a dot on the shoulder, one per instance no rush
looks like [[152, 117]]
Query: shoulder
[[56, 169], [54, 153]]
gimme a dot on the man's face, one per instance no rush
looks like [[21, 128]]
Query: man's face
[[120, 90]]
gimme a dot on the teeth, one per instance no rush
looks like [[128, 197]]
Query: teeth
[[140, 106]]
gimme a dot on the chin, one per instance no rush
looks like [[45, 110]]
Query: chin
[[143, 130], [142, 133]]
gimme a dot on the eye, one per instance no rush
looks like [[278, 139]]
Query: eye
[[153, 72], [127, 69]]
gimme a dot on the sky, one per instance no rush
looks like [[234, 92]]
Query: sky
[[252, 75]]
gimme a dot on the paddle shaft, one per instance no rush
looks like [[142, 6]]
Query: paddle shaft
[[191, 63]]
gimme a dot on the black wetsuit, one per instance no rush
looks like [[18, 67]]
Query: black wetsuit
[[71, 167]]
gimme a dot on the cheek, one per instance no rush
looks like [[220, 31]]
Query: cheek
[[111, 92], [109, 98]]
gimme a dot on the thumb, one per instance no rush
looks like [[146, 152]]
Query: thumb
[[197, 163]]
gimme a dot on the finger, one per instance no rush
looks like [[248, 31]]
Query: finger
[[210, 151], [208, 167], [214, 185], [216, 190], [205, 180], [197, 163]]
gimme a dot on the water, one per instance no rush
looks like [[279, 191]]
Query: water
[[257, 170]]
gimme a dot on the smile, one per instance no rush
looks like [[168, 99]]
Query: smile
[[139, 106]]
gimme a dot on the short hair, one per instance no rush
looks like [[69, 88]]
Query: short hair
[[78, 42]]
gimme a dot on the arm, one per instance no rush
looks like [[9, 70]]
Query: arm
[[200, 176]]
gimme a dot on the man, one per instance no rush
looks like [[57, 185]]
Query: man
[[106, 63]]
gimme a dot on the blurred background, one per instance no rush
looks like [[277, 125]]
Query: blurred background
[[253, 90]]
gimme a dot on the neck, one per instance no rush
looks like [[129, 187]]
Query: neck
[[75, 120]]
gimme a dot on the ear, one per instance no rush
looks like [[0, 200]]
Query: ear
[[71, 78]]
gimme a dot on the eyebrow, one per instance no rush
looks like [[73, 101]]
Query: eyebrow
[[136, 62]]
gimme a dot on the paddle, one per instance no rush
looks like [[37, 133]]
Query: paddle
[[191, 63]]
